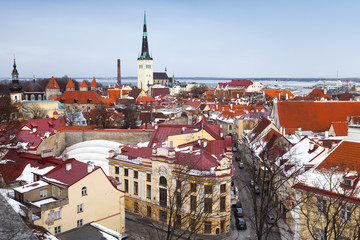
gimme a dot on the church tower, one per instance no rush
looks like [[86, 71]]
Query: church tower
[[145, 63], [15, 87]]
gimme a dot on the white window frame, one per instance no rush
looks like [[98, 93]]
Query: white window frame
[[79, 223], [43, 193], [57, 229], [80, 208], [321, 205], [84, 191], [345, 213], [57, 214]]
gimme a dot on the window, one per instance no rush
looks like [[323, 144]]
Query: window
[[117, 178], [140, 66], [207, 227], [208, 189], [126, 172], [148, 191], [148, 211], [345, 213], [136, 207], [84, 191], [163, 197], [57, 229], [42, 193], [230, 127], [223, 188], [60, 192], [79, 222], [193, 187], [318, 234], [126, 186], [162, 216], [163, 181], [193, 203], [321, 205], [178, 184], [148, 177], [208, 205], [192, 224], [171, 144], [136, 174], [57, 214], [222, 204], [178, 220], [80, 208], [116, 170], [178, 199], [136, 188]]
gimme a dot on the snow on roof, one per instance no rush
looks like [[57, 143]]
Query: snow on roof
[[97, 143], [106, 230], [28, 173], [43, 201], [143, 144], [31, 186], [5, 161]]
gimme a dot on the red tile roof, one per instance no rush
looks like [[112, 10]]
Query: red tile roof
[[59, 175], [52, 84], [93, 83], [318, 94], [145, 99], [259, 128], [160, 91], [70, 84], [83, 84], [340, 128], [202, 162], [82, 97], [11, 170], [314, 116], [271, 93]]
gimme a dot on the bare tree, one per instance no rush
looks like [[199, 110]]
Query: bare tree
[[130, 115], [331, 212], [33, 110]]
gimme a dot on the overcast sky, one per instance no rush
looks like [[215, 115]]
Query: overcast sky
[[192, 38]]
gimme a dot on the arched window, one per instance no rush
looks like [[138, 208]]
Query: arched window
[[39, 97], [32, 97], [84, 191], [163, 181]]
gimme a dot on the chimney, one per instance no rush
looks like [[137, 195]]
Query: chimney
[[90, 166], [68, 166], [191, 149], [326, 134], [325, 91], [231, 106], [287, 97], [65, 157], [204, 144], [118, 72], [311, 146]]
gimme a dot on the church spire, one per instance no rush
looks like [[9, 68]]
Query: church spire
[[145, 55], [14, 74]]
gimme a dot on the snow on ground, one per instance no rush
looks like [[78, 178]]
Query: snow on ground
[[96, 151]]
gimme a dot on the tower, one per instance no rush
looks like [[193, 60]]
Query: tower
[[15, 87], [145, 63], [118, 72]]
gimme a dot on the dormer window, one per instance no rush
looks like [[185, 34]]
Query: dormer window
[[348, 182]]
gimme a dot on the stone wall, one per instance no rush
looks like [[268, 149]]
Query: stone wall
[[123, 136]]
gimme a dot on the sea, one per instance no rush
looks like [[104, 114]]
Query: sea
[[299, 86]]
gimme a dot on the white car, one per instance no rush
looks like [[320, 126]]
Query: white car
[[241, 165]]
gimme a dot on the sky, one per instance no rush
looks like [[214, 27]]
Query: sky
[[191, 38]]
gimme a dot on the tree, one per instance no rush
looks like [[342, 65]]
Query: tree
[[33, 110], [332, 213], [188, 206], [105, 118], [270, 184], [130, 116]]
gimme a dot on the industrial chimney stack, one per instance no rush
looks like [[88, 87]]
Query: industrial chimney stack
[[118, 72]]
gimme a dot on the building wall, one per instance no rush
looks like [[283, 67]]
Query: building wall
[[188, 137], [46, 108], [255, 87], [52, 93], [75, 107], [55, 142], [245, 124], [123, 136], [104, 204], [145, 75]]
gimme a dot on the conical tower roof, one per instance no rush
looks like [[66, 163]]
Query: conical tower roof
[[145, 54], [83, 84], [93, 83], [70, 84], [52, 84]]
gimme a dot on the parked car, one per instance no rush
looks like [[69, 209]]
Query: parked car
[[252, 183], [237, 204], [257, 189], [234, 149], [237, 158], [238, 212], [240, 223], [241, 165], [270, 218]]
